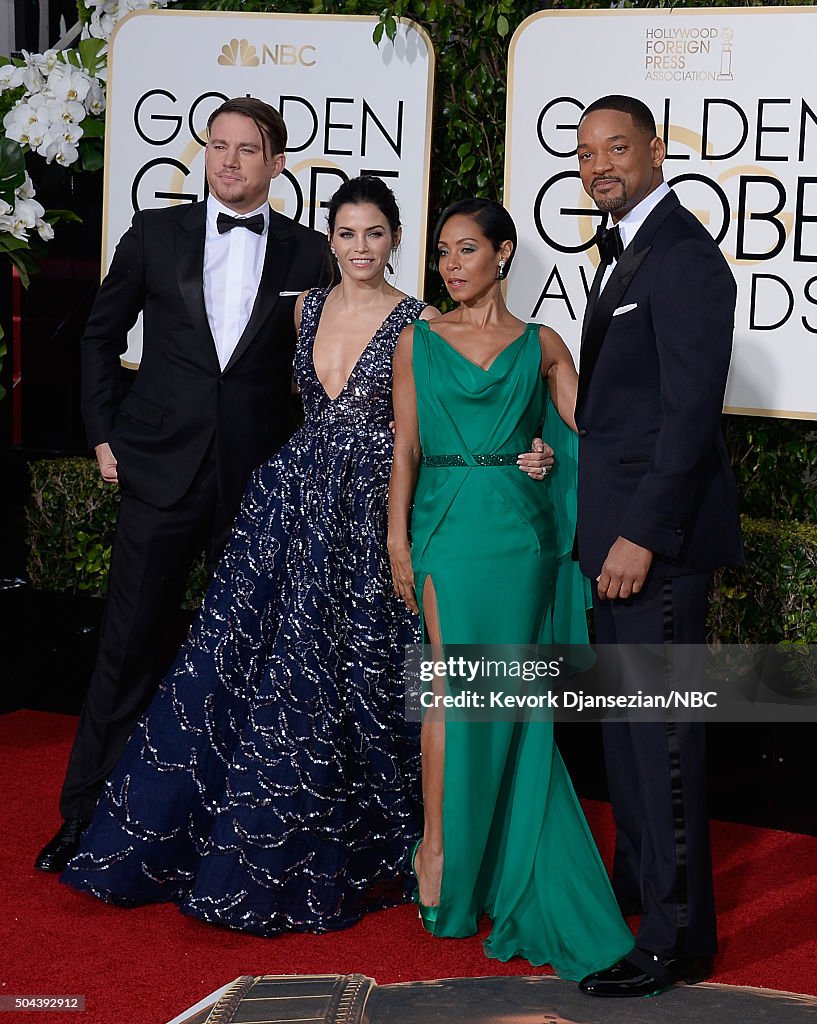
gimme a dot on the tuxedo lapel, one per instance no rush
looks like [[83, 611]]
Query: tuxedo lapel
[[279, 253], [599, 316], [189, 238], [602, 303], [592, 299]]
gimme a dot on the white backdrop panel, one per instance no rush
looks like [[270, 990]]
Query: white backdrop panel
[[734, 94], [350, 107]]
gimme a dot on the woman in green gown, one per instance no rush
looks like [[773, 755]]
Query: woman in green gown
[[489, 562]]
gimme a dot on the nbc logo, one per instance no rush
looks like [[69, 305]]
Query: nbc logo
[[239, 51]]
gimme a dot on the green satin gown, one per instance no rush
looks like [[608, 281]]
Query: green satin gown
[[496, 546]]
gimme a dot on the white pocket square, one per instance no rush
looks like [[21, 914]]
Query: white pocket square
[[625, 309], [284, 295]]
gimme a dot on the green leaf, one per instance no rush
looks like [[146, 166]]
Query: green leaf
[[391, 28], [93, 128], [89, 53], [8, 243], [12, 168], [377, 35], [23, 268], [53, 216], [92, 157]]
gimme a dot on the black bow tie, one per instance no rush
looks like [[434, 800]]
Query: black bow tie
[[226, 223], [610, 245]]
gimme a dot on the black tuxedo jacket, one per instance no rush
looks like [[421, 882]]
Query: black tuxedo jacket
[[181, 402], [656, 346]]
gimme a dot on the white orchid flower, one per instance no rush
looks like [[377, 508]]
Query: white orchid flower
[[62, 152], [33, 78], [45, 230], [101, 25], [106, 13], [18, 121], [37, 137], [69, 83], [71, 133], [95, 100], [20, 229], [14, 227], [28, 120], [50, 59], [66, 111], [28, 211], [5, 208], [11, 77], [26, 190]]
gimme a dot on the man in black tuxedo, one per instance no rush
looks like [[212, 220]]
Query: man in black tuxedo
[[657, 511], [216, 283]]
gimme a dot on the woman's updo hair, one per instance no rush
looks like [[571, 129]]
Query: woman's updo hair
[[493, 219], [365, 189]]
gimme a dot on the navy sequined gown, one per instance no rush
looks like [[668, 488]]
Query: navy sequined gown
[[273, 784]]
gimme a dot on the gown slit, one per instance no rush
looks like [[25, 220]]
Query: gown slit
[[497, 546]]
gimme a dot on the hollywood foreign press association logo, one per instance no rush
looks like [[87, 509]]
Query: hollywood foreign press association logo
[[239, 53]]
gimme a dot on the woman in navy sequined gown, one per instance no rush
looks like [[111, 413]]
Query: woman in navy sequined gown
[[273, 784]]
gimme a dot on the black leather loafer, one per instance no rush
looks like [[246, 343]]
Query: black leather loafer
[[642, 973], [55, 855]]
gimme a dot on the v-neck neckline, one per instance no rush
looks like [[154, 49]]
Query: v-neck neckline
[[490, 366], [363, 351]]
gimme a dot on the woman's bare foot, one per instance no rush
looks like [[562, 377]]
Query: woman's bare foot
[[428, 866]]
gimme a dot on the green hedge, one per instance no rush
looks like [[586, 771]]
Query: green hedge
[[71, 517], [774, 596], [775, 467], [72, 513]]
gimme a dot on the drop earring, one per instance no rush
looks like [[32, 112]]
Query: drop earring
[[500, 270]]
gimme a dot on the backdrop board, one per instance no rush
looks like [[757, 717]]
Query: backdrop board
[[350, 106], [734, 94]]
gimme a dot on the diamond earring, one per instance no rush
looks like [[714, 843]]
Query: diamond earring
[[500, 270]]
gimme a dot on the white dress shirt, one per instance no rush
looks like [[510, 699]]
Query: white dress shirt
[[232, 272], [632, 221]]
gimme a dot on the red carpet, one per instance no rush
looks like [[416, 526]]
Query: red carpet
[[148, 965]]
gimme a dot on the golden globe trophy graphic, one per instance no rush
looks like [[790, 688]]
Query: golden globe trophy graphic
[[725, 73]]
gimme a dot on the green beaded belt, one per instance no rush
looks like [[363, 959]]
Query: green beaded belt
[[438, 461]]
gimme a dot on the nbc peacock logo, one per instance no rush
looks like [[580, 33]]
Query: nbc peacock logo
[[239, 52]]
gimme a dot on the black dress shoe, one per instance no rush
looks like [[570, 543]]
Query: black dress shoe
[[55, 855], [642, 973]]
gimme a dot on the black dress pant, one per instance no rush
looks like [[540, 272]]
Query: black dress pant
[[153, 551], [657, 779]]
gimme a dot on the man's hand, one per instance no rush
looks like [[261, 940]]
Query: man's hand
[[538, 461], [107, 463], [624, 570]]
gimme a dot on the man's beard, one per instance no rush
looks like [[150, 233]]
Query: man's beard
[[609, 204]]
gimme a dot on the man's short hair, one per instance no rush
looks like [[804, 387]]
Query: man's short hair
[[637, 109], [266, 119]]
